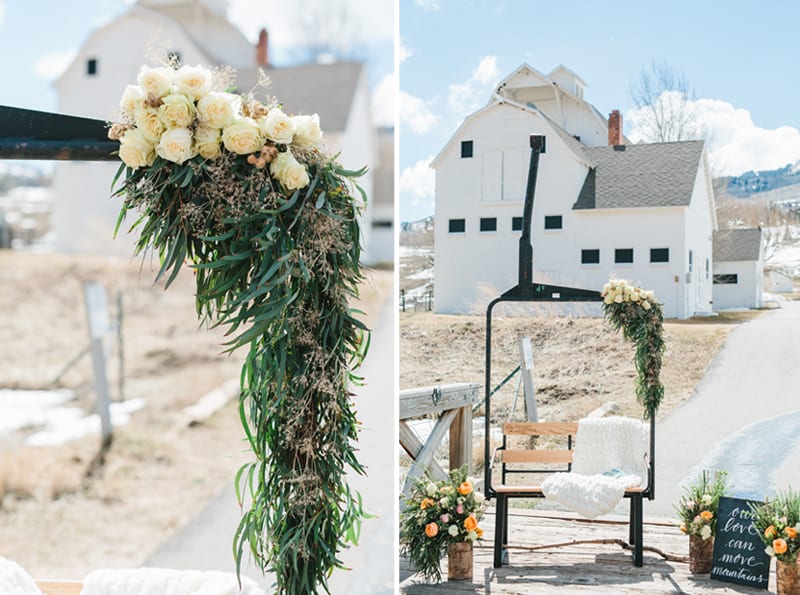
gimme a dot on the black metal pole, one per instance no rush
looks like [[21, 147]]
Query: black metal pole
[[487, 408], [525, 276]]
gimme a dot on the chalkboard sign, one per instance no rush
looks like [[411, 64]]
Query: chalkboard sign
[[739, 555]]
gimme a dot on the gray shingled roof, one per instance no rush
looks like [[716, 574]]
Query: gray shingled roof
[[324, 89], [645, 175], [735, 245]]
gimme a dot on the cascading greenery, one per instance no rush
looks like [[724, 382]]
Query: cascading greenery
[[277, 267], [637, 313]]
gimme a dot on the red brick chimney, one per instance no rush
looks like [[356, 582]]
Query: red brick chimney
[[615, 129], [262, 49]]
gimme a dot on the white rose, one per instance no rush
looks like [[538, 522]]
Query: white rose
[[635, 296], [177, 111], [194, 81], [618, 298], [149, 122], [176, 145], [705, 532], [155, 81], [471, 536], [431, 489], [444, 501], [207, 142], [218, 110], [132, 98], [291, 174], [707, 499], [136, 150], [243, 137], [453, 530], [277, 126], [479, 497], [609, 299], [650, 296], [307, 130], [646, 305]]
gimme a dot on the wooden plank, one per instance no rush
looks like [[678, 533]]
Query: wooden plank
[[429, 449], [60, 587], [522, 428], [412, 445], [535, 456], [461, 439], [416, 402]]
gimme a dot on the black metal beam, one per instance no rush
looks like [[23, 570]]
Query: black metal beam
[[30, 134]]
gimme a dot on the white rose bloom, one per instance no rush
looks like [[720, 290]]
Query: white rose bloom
[[218, 110], [194, 81], [132, 98], [177, 111], [277, 126], [453, 530], [155, 81], [136, 150], [646, 305], [707, 499], [291, 174], [207, 142], [307, 130], [431, 489], [243, 137], [705, 532], [149, 122], [635, 296], [444, 501], [176, 145], [471, 536], [618, 298], [651, 296], [478, 496]]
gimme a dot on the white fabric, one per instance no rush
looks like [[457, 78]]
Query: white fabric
[[610, 456], [14, 580], [163, 581]]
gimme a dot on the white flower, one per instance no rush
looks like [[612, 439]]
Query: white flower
[[155, 81], [471, 536], [618, 298], [705, 532], [207, 142], [149, 122], [176, 145], [646, 305], [277, 126], [769, 551], [307, 130], [177, 111], [707, 499], [478, 497], [243, 137], [431, 489], [444, 501], [291, 174], [136, 150], [132, 98], [194, 81], [218, 110], [453, 530]]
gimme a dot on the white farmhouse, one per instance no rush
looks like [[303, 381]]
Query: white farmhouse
[[196, 32], [602, 206], [738, 269]]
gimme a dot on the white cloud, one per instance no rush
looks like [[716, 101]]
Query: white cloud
[[735, 143], [428, 4], [383, 101], [50, 65], [419, 181], [415, 114], [466, 97], [403, 53]]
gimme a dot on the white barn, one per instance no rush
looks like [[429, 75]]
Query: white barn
[[738, 269], [602, 206], [199, 32]]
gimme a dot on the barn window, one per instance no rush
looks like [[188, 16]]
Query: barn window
[[659, 254], [488, 223], [91, 66], [466, 149], [553, 222], [729, 279], [516, 224], [590, 256], [457, 225], [623, 255]]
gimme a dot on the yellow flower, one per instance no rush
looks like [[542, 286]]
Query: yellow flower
[[426, 502], [470, 523], [431, 529], [790, 532], [770, 532], [707, 515], [779, 546], [465, 488], [683, 528], [479, 531]]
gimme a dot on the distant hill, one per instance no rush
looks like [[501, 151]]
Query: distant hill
[[759, 183]]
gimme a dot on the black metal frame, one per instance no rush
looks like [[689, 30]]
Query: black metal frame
[[527, 291]]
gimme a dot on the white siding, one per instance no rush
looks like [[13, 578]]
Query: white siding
[[746, 293]]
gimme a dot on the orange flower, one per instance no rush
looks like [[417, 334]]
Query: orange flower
[[770, 532], [684, 529], [431, 529], [707, 515], [426, 502], [479, 531], [470, 523], [790, 532], [465, 488], [779, 545]]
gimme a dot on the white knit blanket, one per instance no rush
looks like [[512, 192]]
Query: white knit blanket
[[610, 456], [163, 581], [14, 580]]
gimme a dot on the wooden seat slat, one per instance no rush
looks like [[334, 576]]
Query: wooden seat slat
[[60, 587], [535, 456], [527, 428]]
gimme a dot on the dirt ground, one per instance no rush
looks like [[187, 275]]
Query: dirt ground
[[579, 363], [158, 474]]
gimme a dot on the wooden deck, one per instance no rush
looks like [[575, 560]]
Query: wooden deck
[[605, 568]]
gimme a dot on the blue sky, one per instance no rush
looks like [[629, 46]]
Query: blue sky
[[739, 56], [35, 48]]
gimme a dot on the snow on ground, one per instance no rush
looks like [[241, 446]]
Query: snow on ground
[[411, 251], [59, 423]]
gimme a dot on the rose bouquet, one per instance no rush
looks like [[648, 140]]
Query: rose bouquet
[[439, 514], [636, 312], [698, 507], [243, 194]]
